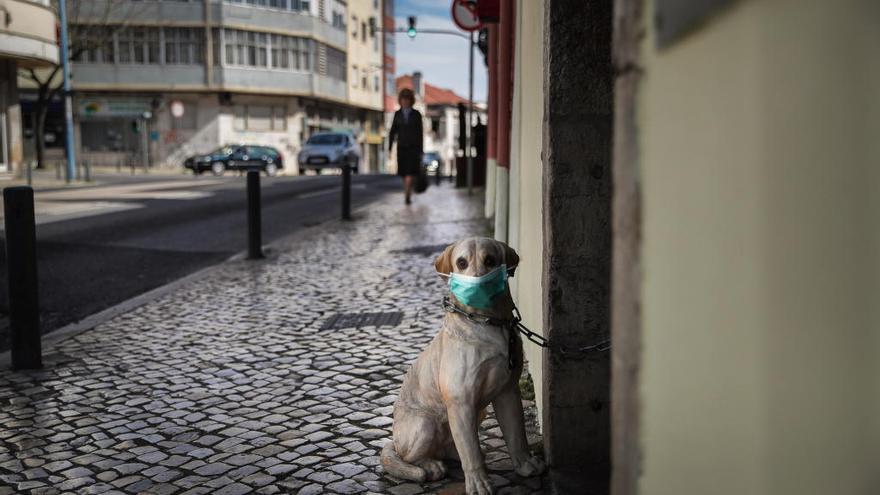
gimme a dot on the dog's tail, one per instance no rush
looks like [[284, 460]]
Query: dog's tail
[[397, 467]]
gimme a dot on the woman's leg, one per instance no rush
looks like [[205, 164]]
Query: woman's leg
[[407, 186]]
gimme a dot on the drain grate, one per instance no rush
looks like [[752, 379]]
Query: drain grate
[[357, 320], [427, 250]]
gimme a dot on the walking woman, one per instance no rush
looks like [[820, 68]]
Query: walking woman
[[406, 127]]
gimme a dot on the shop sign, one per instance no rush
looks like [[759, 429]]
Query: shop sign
[[112, 107]]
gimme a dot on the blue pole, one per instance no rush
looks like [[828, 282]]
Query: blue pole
[[68, 103]]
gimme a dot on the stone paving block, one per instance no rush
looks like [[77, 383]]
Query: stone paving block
[[230, 385]]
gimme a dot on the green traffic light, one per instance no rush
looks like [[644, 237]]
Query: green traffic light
[[411, 32]]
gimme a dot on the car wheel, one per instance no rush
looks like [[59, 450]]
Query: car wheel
[[271, 169], [217, 168]]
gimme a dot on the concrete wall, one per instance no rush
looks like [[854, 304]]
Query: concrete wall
[[27, 33], [759, 154], [526, 213], [362, 54]]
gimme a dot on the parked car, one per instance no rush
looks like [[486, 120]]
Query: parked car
[[330, 150], [236, 157], [431, 162]]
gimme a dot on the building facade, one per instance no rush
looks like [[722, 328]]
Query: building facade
[[365, 89], [161, 80], [686, 205], [27, 41]]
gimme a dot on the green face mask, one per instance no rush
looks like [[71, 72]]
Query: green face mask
[[478, 292]]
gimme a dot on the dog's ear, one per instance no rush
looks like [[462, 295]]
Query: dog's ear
[[443, 263], [511, 259]]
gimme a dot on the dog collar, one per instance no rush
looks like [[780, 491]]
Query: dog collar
[[485, 320]]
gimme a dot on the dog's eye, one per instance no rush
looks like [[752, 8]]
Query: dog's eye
[[461, 263], [490, 260]]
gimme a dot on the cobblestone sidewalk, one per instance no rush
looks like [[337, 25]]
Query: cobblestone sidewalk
[[231, 384]]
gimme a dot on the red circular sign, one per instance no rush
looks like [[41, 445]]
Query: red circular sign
[[464, 15]]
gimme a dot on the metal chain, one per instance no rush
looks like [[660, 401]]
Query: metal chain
[[537, 339]]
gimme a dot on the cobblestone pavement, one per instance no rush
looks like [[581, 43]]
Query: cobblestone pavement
[[230, 384]]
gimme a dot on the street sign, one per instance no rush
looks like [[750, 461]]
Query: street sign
[[464, 14], [177, 109]]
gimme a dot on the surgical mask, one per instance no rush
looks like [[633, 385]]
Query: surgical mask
[[478, 292]]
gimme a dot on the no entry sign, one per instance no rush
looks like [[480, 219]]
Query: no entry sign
[[464, 15]]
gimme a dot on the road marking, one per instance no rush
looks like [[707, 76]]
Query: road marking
[[321, 192]]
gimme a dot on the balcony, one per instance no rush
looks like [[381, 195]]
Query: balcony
[[29, 35]]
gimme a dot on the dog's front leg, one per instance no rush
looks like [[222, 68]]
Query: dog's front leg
[[463, 423], [509, 413]]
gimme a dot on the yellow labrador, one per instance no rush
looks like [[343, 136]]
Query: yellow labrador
[[468, 365]]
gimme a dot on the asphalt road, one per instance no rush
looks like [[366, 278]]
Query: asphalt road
[[90, 263]]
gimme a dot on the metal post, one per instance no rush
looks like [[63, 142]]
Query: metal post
[[21, 266], [346, 192], [30, 167], [88, 170], [145, 152], [68, 102], [255, 226], [469, 151]]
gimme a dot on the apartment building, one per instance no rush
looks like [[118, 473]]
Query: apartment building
[[164, 79], [365, 89], [27, 41]]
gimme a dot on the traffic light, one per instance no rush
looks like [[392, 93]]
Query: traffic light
[[483, 44], [411, 30]]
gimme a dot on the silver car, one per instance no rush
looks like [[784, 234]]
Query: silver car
[[329, 150]]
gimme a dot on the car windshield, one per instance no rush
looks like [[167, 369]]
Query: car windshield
[[325, 139]]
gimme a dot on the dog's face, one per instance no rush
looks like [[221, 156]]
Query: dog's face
[[476, 256]]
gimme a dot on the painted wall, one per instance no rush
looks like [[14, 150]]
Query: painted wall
[[364, 55], [759, 159], [525, 214]]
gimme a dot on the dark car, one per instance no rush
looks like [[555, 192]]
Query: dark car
[[431, 162], [236, 157], [330, 150]]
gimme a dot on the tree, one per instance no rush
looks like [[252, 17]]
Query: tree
[[91, 26]]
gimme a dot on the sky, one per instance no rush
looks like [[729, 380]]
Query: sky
[[442, 59]]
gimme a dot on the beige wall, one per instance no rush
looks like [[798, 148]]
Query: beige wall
[[30, 36], [362, 55], [759, 149], [525, 214]]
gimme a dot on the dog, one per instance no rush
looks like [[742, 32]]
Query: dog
[[467, 366]]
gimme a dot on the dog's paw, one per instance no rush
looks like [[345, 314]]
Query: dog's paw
[[477, 483], [531, 466], [434, 469]]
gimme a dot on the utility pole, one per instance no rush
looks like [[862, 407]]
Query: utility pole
[[68, 100], [469, 150]]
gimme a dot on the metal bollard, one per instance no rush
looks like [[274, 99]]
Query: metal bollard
[[346, 192], [88, 171], [255, 227], [21, 265], [30, 173], [57, 170]]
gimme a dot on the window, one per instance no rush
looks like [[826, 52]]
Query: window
[[289, 52], [97, 44], [335, 63], [363, 31], [260, 118], [376, 85], [294, 5], [246, 48], [138, 45], [184, 46], [364, 83], [354, 26], [354, 76]]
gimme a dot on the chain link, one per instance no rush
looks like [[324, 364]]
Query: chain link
[[537, 339]]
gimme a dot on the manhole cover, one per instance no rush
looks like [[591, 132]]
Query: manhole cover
[[357, 320], [422, 250]]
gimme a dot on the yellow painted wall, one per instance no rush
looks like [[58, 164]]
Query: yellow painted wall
[[760, 170], [527, 120], [363, 55]]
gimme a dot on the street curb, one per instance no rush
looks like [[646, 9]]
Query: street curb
[[90, 322]]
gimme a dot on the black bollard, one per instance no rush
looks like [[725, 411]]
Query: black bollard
[[255, 227], [21, 265], [346, 192]]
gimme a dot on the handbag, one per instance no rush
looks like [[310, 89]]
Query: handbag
[[421, 181]]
